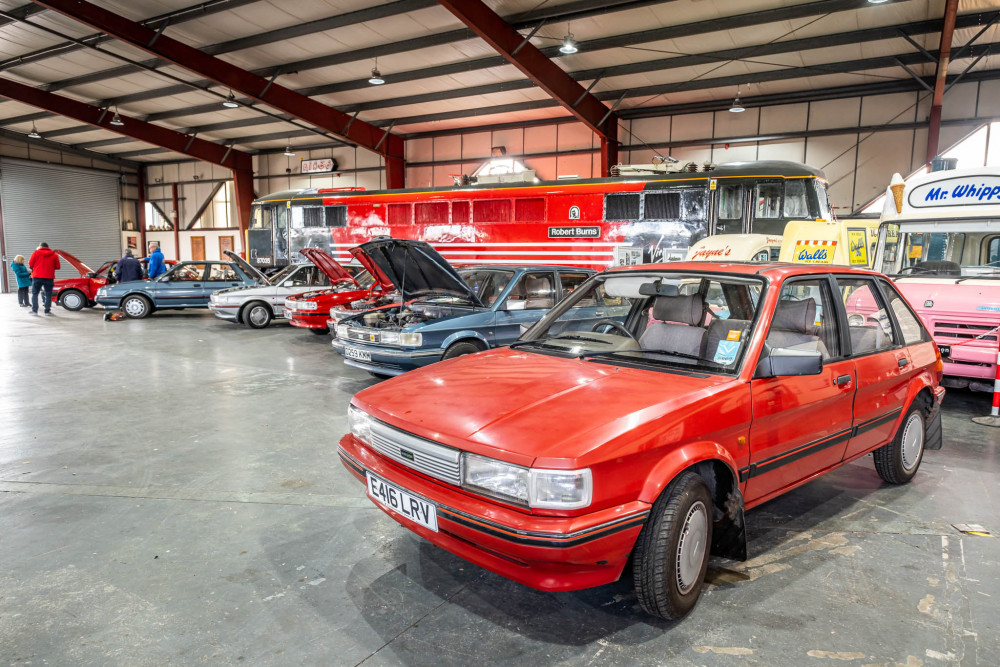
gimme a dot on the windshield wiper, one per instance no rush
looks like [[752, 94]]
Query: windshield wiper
[[609, 353]]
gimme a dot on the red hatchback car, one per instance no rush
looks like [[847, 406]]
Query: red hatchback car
[[699, 390], [312, 310]]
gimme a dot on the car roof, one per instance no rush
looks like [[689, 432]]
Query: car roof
[[774, 270]]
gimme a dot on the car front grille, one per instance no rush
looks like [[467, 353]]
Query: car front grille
[[430, 458], [963, 331], [364, 335]]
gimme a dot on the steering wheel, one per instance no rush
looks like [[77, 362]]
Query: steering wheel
[[914, 269], [613, 325]]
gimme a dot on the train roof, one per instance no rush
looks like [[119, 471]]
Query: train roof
[[754, 169]]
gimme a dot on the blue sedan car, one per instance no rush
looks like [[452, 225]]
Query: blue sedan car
[[447, 312], [187, 285]]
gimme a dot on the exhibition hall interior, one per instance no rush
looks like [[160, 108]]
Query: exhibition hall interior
[[500, 332]]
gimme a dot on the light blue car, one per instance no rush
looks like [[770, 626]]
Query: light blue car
[[446, 312], [187, 285]]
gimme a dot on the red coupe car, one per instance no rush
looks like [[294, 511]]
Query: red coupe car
[[696, 391]]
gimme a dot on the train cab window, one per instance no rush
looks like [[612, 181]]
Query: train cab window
[[796, 205], [281, 236], [662, 206], [431, 212], [822, 199], [993, 252], [307, 216], [529, 210], [621, 207], [460, 212], [335, 216], [491, 210], [400, 214], [262, 217], [768, 201]]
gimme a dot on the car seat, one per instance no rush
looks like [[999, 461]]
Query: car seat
[[794, 327], [539, 293], [679, 329], [720, 330]]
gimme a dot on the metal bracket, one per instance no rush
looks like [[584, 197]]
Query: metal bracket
[[159, 31], [104, 112], [527, 38], [968, 44], [927, 54], [613, 107], [589, 88], [350, 121], [270, 81], [384, 136], [191, 141], [975, 62], [915, 76], [226, 154]]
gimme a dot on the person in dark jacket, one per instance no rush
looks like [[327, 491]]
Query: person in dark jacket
[[23, 274], [128, 268], [156, 266], [44, 263]]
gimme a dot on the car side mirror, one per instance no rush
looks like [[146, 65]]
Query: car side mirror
[[91, 275], [783, 361]]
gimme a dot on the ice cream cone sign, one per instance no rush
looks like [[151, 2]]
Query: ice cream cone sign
[[896, 186]]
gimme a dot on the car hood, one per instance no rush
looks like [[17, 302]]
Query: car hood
[[241, 288], [247, 269], [77, 264], [521, 406], [372, 268], [328, 265], [131, 286], [416, 269]]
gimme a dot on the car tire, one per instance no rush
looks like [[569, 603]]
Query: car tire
[[671, 555], [460, 348], [257, 315], [136, 306], [897, 462], [320, 332], [73, 300]]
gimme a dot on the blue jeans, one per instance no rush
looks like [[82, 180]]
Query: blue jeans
[[38, 284]]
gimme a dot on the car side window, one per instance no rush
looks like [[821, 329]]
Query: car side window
[[188, 273], [909, 323], [805, 319], [868, 321], [534, 291], [222, 272], [569, 282]]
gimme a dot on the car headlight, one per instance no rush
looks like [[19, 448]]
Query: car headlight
[[102, 292], [389, 338], [534, 487], [360, 423], [306, 305], [342, 330], [410, 339]]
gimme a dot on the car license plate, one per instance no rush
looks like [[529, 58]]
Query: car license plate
[[355, 353], [402, 502]]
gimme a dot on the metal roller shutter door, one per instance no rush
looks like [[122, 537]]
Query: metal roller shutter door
[[73, 209]]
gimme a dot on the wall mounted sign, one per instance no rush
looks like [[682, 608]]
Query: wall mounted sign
[[574, 232], [323, 166]]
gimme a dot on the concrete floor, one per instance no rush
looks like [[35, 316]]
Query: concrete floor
[[170, 493]]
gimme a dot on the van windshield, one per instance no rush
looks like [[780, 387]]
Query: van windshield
[[921, 249]]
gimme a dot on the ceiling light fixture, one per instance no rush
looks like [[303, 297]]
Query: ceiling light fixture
[[737, 106], [230, 101], [876, 2], [376, 78], [289, 152], [34, 133], [117, 120], [569, 44]]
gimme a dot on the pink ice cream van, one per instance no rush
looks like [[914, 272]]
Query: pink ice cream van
[[940, 241]]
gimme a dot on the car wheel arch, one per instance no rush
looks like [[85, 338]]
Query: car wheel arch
[[466, 336], [246, 306], [713, 464], [73, 291]]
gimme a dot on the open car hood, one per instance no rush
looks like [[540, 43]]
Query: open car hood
[[415, 269], [77, 264], [328, 265], [372, 268], [245, 266]]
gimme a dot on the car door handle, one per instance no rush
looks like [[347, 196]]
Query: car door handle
[[842, 380], [599, 312], [196, 285], [903, 362], [235, 284]]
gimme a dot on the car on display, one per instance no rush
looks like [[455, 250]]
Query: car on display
[[444, 312], [187, 285], [256, 305], [311, 310], [641, 438], [79, 293]]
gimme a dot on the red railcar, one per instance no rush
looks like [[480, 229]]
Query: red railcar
[[646, 216]]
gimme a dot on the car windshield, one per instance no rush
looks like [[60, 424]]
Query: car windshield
[[364, 279], [487, 284], [686, 321], [284, 273], [915, 249]]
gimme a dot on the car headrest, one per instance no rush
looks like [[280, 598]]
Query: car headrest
[[538, 286], [797, 316], [684, 309]]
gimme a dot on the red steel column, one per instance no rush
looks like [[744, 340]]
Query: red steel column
[[176, 214], [940, 77], [243, 187], [140, 214]]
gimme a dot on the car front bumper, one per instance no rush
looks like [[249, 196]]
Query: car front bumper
[[227, 312], [543, 552], [306, 319], [386, 360]]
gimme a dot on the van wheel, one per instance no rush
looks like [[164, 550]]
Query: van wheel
[[135, 306], [257, 315], [460, 348], [897, 462], [72, 300], [671, 554]]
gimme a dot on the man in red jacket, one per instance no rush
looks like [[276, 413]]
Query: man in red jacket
[[44, 263]]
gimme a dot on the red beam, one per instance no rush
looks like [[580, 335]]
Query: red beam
[[140, 213], [243, 186], [226, 74], [175, 220], [940, 78], [548, 76], [137, 129]]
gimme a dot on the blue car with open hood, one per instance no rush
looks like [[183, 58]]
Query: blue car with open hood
[[447, 312]]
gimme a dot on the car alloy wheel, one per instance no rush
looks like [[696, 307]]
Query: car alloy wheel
[[135, 307], [73, 300], [258, 316], [692, 546], [912, 441]]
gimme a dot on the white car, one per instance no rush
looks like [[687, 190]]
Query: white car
[[256, 305]]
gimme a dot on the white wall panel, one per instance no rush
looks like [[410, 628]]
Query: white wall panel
[[579, 164], [883, 109], [828, 114], [419, 150], [691, 126], [728, 124], [540, 139], [448, 148], [835, 156], [476, 146], [545, 167], [793, 150], [735, 153], [989, 93], [879, 157], [511, 138], [783, 118], [575, 135], [419, 177], [696, 154], [650, 130], [960, 101], [919, 149]]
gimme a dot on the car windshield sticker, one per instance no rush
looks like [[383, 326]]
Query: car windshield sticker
[[726, 352], [734, 334]]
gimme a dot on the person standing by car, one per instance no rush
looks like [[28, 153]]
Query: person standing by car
[[128, 268], [156, 266], [44, 263], [23, 275]]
